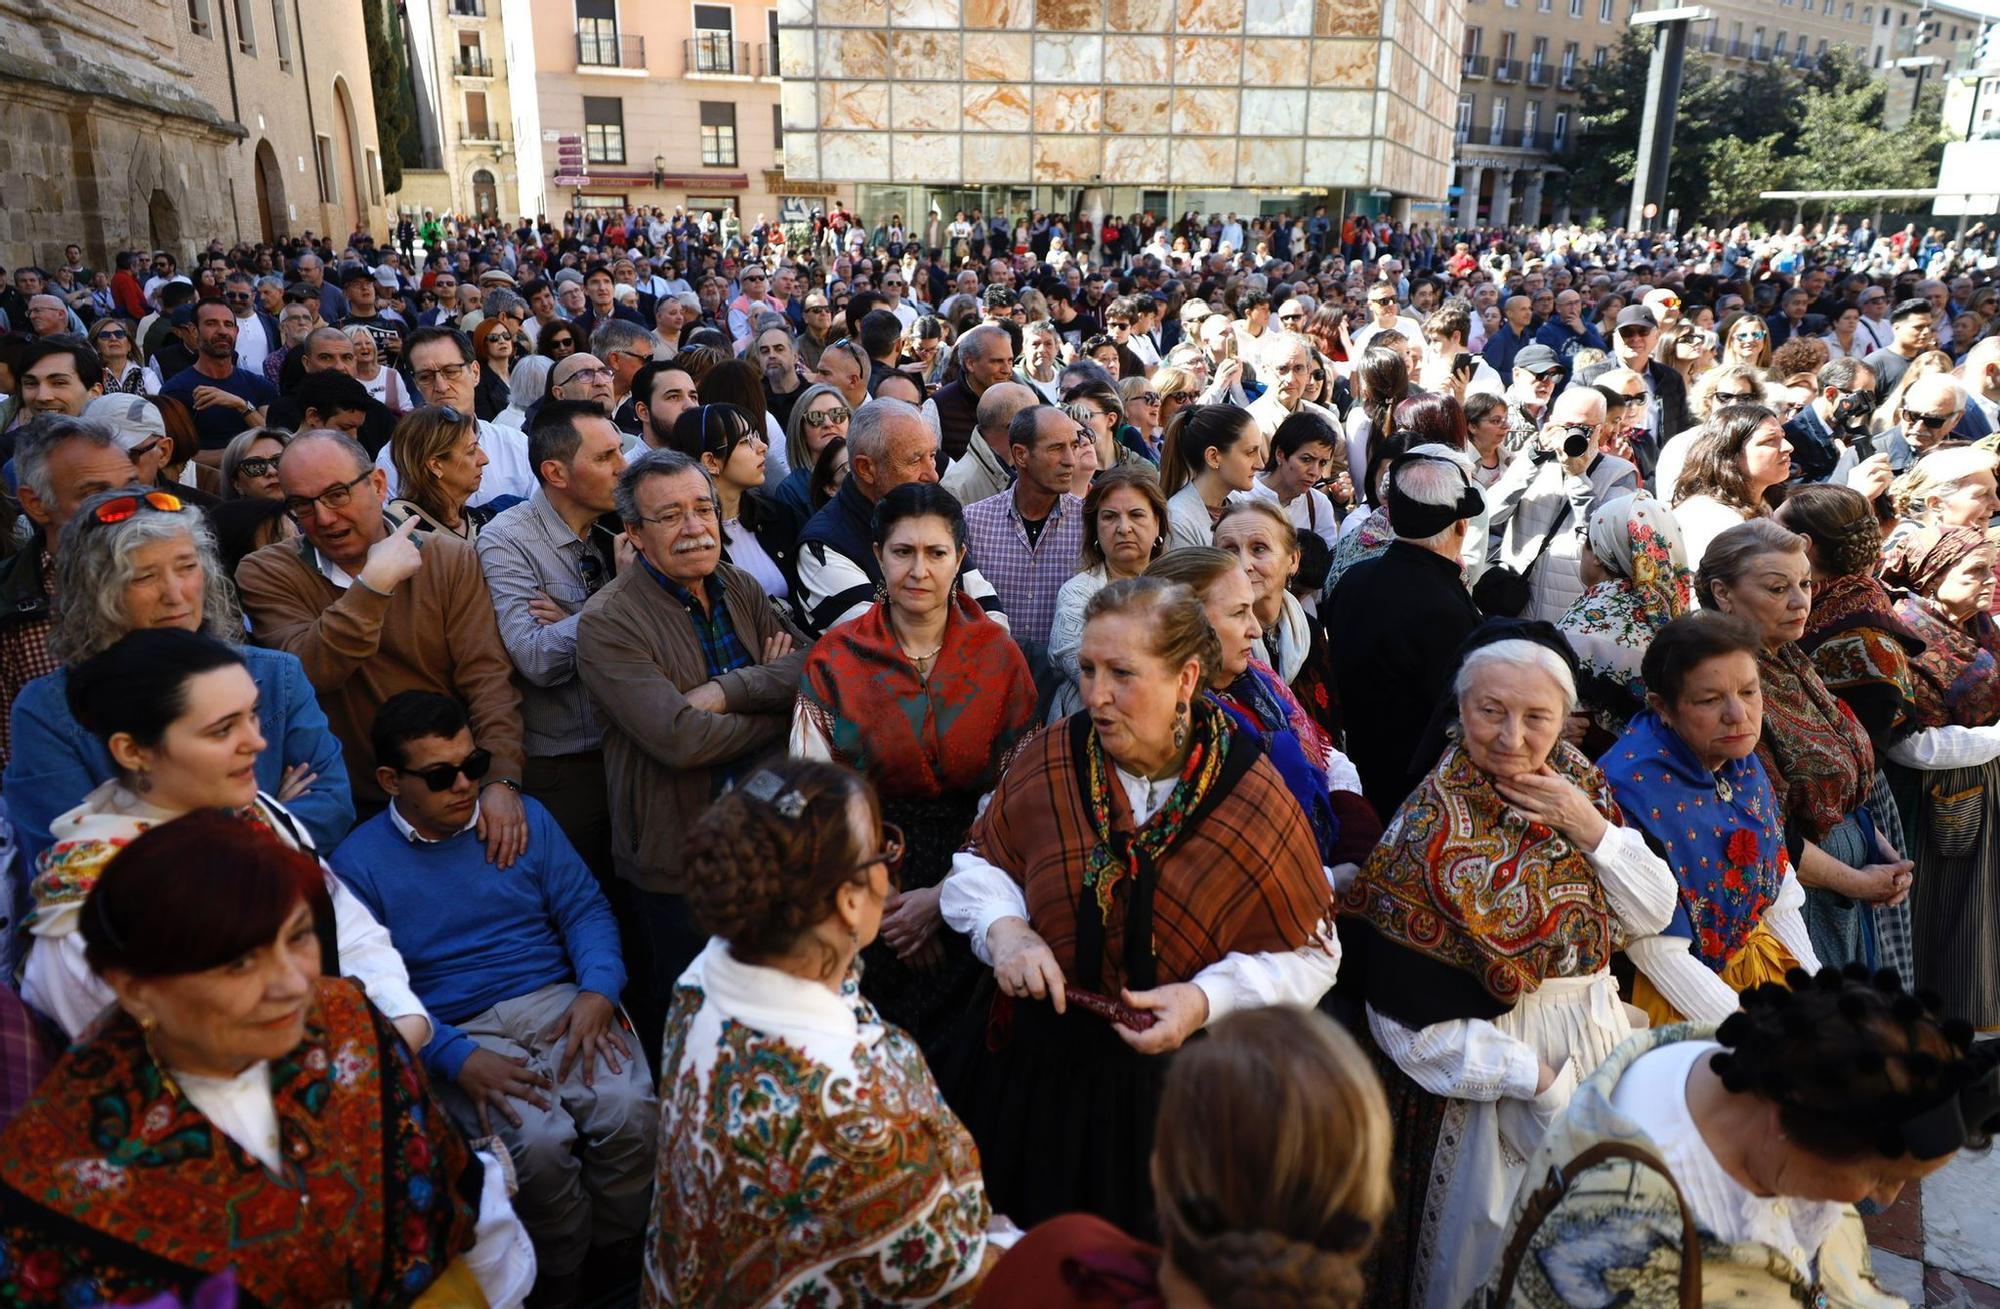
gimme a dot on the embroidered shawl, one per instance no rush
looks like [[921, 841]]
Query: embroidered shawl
[[1815, 753], [1862, 651], [113, 1186], [1727, 854], [1958, 674], [1261, 704], [914, 737], [1462, 880], [1244, 877]]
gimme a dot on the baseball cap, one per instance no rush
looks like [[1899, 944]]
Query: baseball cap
[[385, 277], [132, 420], [1637, 316], [351, 273], [1538, 359], [181, 317]]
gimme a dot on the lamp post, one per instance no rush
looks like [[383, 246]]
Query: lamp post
[[1663, 90], [659, 172]]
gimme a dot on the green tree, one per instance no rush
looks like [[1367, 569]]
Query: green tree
[[389, 76]]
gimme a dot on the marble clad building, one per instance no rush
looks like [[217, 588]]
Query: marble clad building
[[1290, 98]]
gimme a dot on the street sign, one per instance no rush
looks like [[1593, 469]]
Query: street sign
[[551, 138]]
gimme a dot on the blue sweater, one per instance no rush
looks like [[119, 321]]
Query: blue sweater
[[474, 935], [56, 762]]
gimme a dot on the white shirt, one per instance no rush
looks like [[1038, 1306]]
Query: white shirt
[[252, 344], [506, 471], [1411, 329]]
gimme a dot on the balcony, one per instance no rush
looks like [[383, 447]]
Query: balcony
[[609, 50], [713, 54], [1475, 65], [1541, 75], [1506, 70], [767, 59], [468, 8], [1566, 80], [473, 65], [482, 133], [1514, 138]]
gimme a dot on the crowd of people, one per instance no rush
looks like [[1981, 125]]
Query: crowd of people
[[1235, 762]]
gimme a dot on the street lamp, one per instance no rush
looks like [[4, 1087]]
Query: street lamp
[[659, 172]]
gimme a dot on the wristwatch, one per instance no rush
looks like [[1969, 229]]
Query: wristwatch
[[507, 782]]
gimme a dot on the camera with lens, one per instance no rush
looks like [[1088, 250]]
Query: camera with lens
[[1577, 438], [1852, 412]]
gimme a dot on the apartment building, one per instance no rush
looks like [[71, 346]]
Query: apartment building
[[465, 79]]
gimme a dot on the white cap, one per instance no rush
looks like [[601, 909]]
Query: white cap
[[132, 419]]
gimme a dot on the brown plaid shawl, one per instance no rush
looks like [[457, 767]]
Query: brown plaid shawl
[[1244, 878]]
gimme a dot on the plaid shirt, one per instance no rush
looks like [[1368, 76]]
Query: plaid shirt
[[24, 656], [1025, 577], [720, 647]]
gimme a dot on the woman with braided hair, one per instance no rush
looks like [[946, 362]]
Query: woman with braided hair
[[806, 1156], [1270, 1178], [1754, 1142]]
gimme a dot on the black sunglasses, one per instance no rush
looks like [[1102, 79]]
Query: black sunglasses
[[442, 777]]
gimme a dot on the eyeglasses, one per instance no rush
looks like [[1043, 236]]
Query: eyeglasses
[[828, 417], [125, 506], [1931, 422], [1291, 318], [1148, 397], [113, 334], [236, 295], [1756, 335], [891, 852], [1379, 303], [429, 377], [442, 777], [257, 466], [819, 309], [588, 375], [334, 497]]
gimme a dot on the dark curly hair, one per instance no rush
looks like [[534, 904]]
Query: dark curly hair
[[761, 873], [1853, 1063]]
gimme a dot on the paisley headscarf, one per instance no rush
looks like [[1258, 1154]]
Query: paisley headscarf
[[1958, 673]]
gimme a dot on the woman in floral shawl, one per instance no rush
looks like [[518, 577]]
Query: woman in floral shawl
[[926, 697], [1947, 775], [1637, 581]]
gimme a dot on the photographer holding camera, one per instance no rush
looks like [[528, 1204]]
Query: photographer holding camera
[[1837, 419], [1541, 509]]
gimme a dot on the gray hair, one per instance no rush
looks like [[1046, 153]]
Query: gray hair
[[528, 380], [94, 567], [271, 279], [39, 439], [238, 450], [1438, 480], [653, 463], [1579, 404], [615, 334], [980, 339], [1516, 654], [357, 452], [868, 429], [500, 301], [689, 300], [796, 453]]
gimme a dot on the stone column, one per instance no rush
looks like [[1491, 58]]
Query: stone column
[[1501, 213], [1531, 202], [1469, 178]]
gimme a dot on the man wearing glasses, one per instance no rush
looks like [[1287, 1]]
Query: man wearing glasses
[[1667, 411], [256, 331], [755, 285], [1931, 407], [370, 614], [818, 334], [446, 373], [1567, 332]]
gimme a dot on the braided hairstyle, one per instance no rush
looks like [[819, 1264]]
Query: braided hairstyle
[[1845, 534], [762, 873], [1271, 1166], [1848, 1058]]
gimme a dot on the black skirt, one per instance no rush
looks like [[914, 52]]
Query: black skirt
[[925, 1002], [1063, 1112]]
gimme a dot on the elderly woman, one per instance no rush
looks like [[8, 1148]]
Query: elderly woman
[[234, 1079], [526, 385], [775, 1185], [382, 382], [1742, 456], [250, 464], [132, 561], [439, 462], [1124, 529], [1948, 785], [295, 324], [1636, 581], [1819, 759], [1212, 452], [1761, 1167], [926, 697], [1294, 641], [818, 418], [177, 712], [1946, 488], [1687, 776], [1485, 923], [1142, 408], [1177, 387], [1140, 871], [1258, 702]]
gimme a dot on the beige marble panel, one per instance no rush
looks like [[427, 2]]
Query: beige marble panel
[[998, 57], [995, 158], [1209, 16], [1271, 62], [1345, 63], [1337, 163], [1346, 17], [1068, 108], [924, 55], [850, 13], [1278, 17], [799, 107], [1270, 112], [1196, 162], [924, 157], [1135, 160], [854, 106], [1139, 15], [1137, 110], [1208, 61], [853, 54], [1067, 59], [854, 156], [802, 155], [1340, 113], [1204, 113], [1067, 158], [923, 13], [924, 106], [1015, 14], [795, 13], [798, 54], [1136, 59], [1001, 107], [1069, 15], [1267, 161]]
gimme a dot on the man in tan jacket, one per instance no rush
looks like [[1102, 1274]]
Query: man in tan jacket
[[371, 612], [693, 673]]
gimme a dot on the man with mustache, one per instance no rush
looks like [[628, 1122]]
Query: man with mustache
[[693, 673]]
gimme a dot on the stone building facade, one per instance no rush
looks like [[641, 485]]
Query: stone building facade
[[163, 124]]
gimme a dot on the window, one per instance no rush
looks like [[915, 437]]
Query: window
[[1538, 55], [1603, 11], [1597, 59], [768, 65], [715, 39], [471, 56], [373, 167], [281, 31], [1463, 126], [1878, 57], [1499, 120], [1779, 49], [1757, 44], [1569, 60], [199, 21], [718, 134], [1559, 137], [1542, 6], [1506, 47], [476, 126], [246, 28], [603, 129], [1474, 38], [1847, 12], [777, 127], [1576, 8], [1821, 52], [597, 33], [329, 190], [1531, 116]]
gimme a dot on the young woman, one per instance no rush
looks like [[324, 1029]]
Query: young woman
[[1301, 456], [1212, 452], [1731, 467], [250, 464], [819, 418], [756, 536], [1745, 340]]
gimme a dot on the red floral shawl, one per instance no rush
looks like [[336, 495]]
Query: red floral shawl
[[1958, 674], [114, 1187], [913, 737], [1814, 750]]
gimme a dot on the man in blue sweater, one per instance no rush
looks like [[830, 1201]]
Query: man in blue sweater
[[520, 970]]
